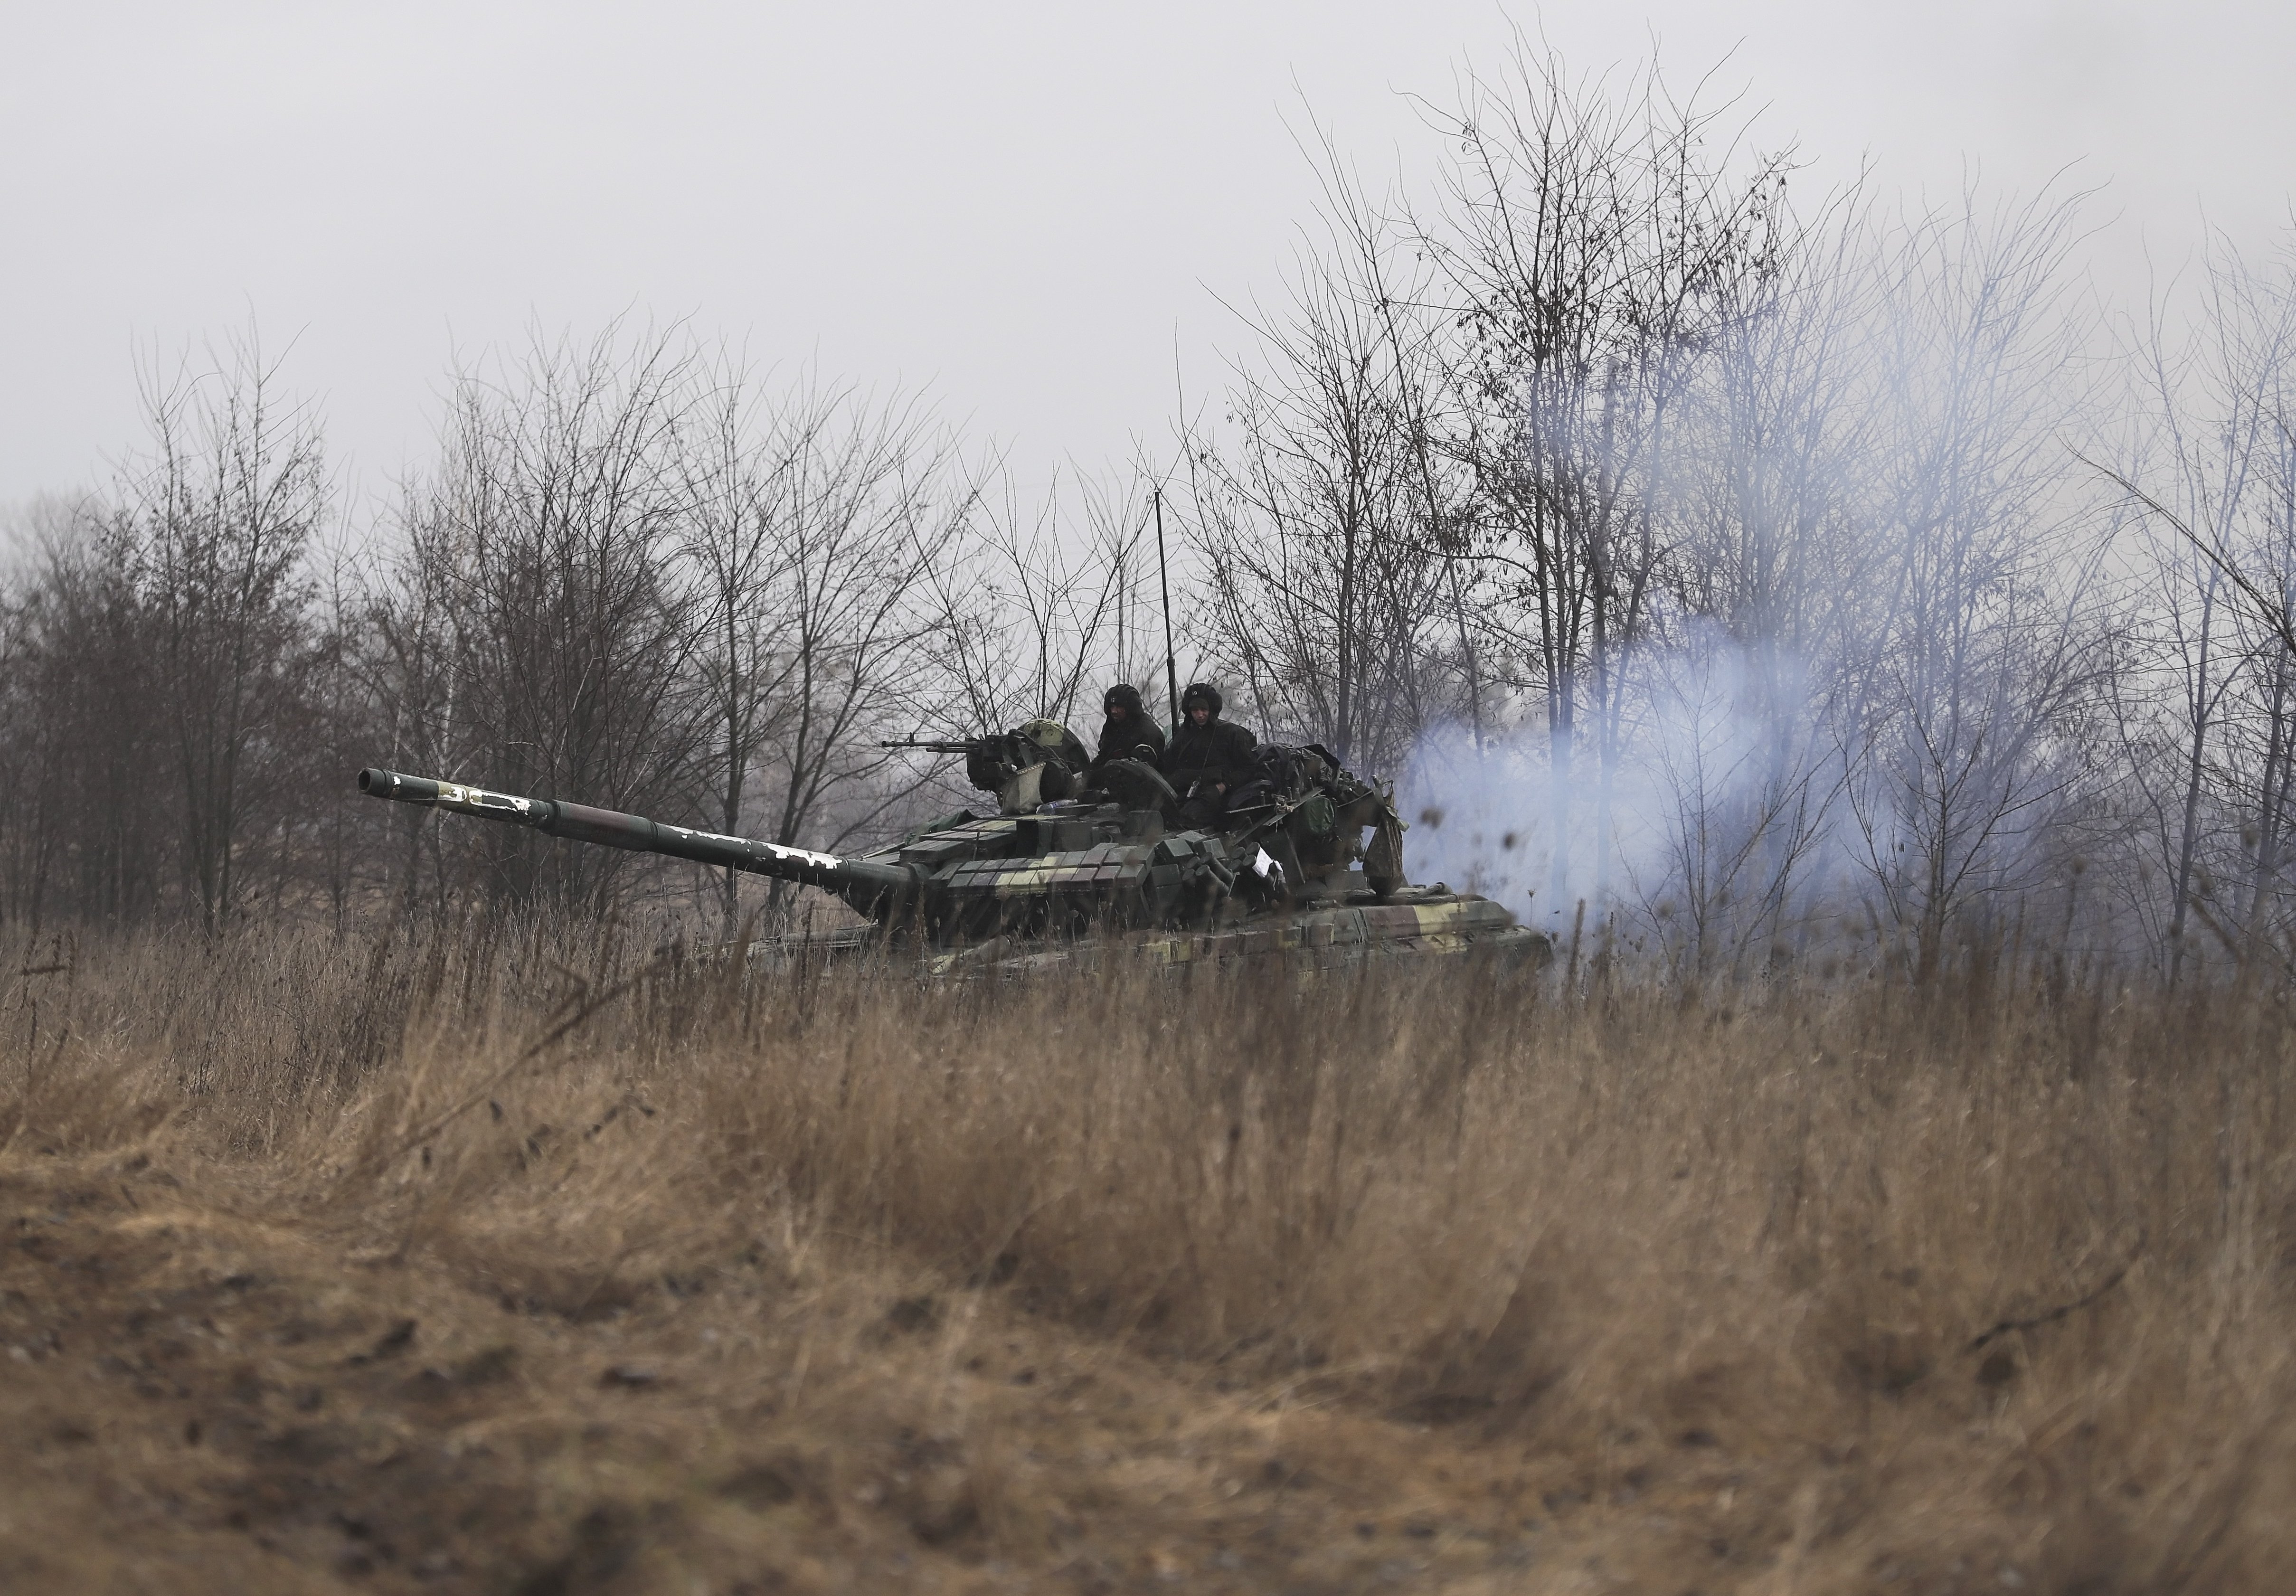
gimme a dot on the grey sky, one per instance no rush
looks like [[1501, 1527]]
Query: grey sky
[[1023, 205]]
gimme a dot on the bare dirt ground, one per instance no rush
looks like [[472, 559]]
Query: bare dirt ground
[[324, 1266], [218, 1404]]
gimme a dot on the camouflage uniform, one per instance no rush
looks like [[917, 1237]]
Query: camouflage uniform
[[1203, 759]]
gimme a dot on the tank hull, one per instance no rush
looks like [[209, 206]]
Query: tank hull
[[1318, 937]]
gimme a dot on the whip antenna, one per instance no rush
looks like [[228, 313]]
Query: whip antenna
[[1164, 581]]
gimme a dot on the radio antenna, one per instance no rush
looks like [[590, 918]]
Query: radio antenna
[[1164, 581]]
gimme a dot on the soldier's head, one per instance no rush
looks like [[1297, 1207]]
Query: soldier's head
[[1201, 703], [1122, 702], [1044, 733]]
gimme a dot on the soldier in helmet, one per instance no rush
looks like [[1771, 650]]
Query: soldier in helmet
[[1208, 758], [1127, 731]]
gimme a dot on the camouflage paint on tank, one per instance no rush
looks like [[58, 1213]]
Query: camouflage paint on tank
[[1448, 925]]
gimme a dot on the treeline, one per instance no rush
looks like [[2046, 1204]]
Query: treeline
[[636, 573], [1747, 581]]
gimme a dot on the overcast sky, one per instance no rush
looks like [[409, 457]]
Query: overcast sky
[[1030, 209]]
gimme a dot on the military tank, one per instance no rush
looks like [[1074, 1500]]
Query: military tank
[[1305, 862]]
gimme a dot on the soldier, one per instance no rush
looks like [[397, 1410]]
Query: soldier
[[1208, 758], [1127, 731]]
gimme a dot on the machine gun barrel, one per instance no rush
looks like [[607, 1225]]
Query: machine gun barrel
[[873, 889], [935, 746]]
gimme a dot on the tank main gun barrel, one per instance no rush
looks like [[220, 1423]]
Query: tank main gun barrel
[[872, 888]]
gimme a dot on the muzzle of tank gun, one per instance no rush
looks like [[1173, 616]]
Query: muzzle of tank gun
[[390, 784]]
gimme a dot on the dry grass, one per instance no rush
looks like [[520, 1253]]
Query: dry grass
[[443, 1267]]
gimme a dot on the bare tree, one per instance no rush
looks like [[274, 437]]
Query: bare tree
[[2212, 689], [538, 628], [408, 651], [216, 526], [1986, 648], [864, 515], [1597, 241], [1032, 598], [732, 466], [1330, 528], [80, 705]]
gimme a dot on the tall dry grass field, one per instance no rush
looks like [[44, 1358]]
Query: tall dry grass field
[[508, 1260]]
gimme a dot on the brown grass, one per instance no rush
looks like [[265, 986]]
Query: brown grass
[[509, 1263]]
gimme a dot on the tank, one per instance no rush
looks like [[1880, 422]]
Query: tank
[[1305, 865]]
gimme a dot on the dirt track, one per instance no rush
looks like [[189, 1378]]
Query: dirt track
[[206, 1402]]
